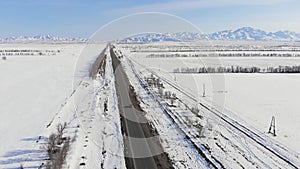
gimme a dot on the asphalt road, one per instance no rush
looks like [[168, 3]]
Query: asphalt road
[[138, 147]]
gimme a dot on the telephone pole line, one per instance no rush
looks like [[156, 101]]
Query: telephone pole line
[[272, 127]]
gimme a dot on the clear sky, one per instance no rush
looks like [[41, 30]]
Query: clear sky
[[81, 18]]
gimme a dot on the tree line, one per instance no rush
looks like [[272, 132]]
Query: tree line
[[239, 69], [240, 54]]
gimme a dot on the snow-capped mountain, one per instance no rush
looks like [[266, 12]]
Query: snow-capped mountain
[[41, 39], [248, 33], [172, 37], [245, 33], [168, 37]]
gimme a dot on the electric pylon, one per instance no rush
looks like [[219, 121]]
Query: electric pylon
[[272, 127]]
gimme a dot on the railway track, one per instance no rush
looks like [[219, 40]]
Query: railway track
[[258, 139], [212, 162]]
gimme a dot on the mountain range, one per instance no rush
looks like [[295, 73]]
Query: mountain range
[[244, 33]]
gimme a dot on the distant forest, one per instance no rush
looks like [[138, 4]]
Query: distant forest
[[239, 69], [237, 54]]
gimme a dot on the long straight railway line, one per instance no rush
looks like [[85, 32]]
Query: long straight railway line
[[259, 140]]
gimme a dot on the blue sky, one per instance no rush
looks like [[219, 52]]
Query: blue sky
[[81, 18]]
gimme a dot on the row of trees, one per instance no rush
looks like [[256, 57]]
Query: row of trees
[[225, 55], [239, 69], [23, 54], [26, 50]]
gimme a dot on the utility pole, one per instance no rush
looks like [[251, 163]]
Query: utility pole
[[272, 127], [203, 90], [174, 77]]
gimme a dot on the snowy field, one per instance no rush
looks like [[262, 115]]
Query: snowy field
[[33, 89], [261, 62], [253, 98], [39, 90]]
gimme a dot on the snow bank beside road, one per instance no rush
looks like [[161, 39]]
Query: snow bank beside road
[[33, 90]]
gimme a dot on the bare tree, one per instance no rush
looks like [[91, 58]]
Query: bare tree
[[60, 131], [57, 148]]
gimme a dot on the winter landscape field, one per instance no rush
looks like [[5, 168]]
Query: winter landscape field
[[169, 84], [253, 97], [200, 119]]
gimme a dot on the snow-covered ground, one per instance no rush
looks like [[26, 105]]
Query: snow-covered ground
[[251, 99], [99, 141], [172, 63], [255, 98], [223, 142], [32, 90], [37, 91], [179, 150]]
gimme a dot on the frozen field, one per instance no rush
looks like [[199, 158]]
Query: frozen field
[[254, 98], [173, 63], [38, 90], [32, 90]]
